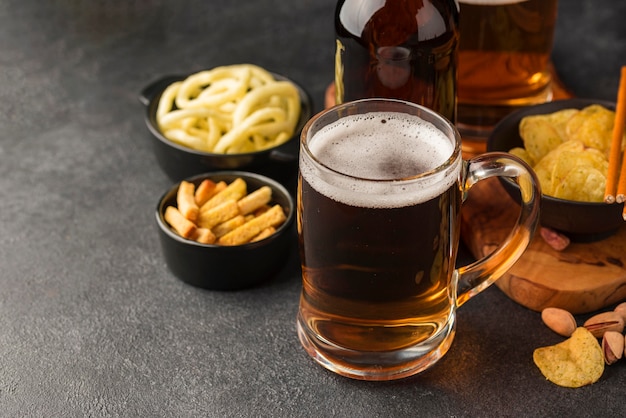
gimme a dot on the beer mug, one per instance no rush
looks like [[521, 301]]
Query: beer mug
[[504, 56], [380, 188]]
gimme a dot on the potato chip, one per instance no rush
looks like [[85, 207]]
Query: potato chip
[[523, 154], [549, 160], [582, 184], [593, 126], [564, 162], [575, 362], [579, 175], [579, 119], [559, 121], [539, 136], [545, 167], [595, 159], [545, 180], [569, 150], [571, 145], [593, 189]]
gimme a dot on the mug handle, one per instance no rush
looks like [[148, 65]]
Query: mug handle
[[476, 277]]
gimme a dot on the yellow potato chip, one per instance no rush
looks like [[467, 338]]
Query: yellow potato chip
[[582, 184], [564, 162], [593, 126], [523, 154], [571, 145], [593, 189], [545, 180], [545, 167], [578, 119], [579, 175], [559, 120], [538, 135], [594, 158], [575, 362], [569, 149]]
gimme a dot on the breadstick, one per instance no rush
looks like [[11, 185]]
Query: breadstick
[[183, 226], [234, 191], [249, 230], [186, 201], [228, 217], [255, 200], [218, 214], [227, 226], [204, 191], [204, 236], [264, 234]]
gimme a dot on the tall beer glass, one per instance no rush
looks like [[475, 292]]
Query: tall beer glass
[[504, 56], [379, 193]]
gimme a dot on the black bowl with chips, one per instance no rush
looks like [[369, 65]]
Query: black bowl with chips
[[580, 221], [179, 161], [217, 267]]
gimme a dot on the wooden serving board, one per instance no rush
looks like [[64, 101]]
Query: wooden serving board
[[583, 278]]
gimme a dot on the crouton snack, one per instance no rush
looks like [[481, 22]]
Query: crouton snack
[[224, 214]]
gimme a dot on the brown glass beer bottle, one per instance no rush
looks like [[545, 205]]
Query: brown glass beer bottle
[[403, 49]]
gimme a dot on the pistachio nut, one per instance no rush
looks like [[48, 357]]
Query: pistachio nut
[[612, 346], [559, 320], [603, 322], [621, 309]]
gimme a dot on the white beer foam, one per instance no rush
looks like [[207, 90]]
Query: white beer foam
[[380, 146]]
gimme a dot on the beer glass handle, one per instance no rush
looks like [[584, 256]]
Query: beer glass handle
[[474, 278]]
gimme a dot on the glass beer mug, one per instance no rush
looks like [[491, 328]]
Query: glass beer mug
[[380, 189]]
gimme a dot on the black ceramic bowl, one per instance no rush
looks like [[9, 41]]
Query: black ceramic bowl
[[581, 221], [227, 267], [180, 162]]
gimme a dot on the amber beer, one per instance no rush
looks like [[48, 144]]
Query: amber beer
[[504, 57], [379, 195], [405, 49], [377, 254]]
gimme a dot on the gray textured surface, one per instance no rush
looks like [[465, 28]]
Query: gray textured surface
[[91, 321]]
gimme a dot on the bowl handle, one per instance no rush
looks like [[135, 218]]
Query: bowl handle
[[149, 92]]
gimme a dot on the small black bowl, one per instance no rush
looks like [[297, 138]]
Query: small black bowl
[[179, 162], [218, 267], [580, 221]]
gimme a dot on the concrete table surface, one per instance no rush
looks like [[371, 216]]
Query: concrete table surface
[[91, 321]]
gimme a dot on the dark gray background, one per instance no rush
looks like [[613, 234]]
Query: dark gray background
[[91, 321]]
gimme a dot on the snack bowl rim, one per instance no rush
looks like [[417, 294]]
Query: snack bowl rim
[[576, 219], [220, 267]]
